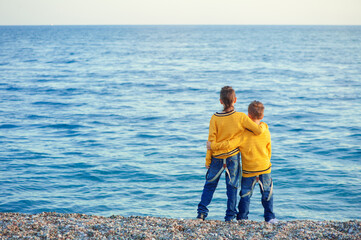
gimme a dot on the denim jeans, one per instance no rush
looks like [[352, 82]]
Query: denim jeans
[[232, 183], [247, 187]]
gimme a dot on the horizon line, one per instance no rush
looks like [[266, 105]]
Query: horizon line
[[179, 24]]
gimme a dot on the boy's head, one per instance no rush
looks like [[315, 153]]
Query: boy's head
[[228, 97], [255, 110]]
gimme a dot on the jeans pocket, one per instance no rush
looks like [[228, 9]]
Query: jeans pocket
[[207, 175], [234, 170], [266, 182], [212, 172]]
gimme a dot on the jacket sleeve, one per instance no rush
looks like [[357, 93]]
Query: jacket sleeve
[[212, 138], [231, 144], [252, 126], [227, 144]]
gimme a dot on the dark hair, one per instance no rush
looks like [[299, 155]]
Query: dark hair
[[256, 109], [227, 96]]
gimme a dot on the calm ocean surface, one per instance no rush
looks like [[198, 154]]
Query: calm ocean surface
[[113, 119]]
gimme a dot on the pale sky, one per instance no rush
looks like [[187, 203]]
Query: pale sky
[[114, 12]]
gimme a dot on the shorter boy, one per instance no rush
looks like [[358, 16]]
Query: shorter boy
[[256, 164]]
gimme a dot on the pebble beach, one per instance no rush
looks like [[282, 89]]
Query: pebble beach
[[81, 226]]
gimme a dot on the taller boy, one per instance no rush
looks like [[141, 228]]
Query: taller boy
[[225, 126], [256, 164]]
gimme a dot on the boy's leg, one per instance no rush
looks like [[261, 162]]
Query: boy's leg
[[232, 182], [267, 196], [247, 186], [231, 211], [209, 187], [207, 195]]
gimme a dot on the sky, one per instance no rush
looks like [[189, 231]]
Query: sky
[[144, 12]]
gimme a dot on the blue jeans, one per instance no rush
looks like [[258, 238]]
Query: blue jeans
[[232, 182], [247, 187]]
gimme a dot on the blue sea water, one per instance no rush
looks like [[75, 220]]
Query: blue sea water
[[113, 119]]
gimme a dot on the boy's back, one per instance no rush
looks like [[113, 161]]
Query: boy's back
[[256, 152], [226, 126]]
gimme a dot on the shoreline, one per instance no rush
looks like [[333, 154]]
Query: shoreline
[[50, 225]]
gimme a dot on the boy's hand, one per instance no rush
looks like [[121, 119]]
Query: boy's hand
[[207, 166], [209, 145]]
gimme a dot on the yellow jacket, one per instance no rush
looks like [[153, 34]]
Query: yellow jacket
[[255, 151], [228, 126]]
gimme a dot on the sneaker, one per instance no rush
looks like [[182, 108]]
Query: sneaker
[[201, 216], [273, 221], [241, 220], [229, 219]]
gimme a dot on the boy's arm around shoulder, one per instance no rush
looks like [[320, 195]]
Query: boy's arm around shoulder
[[252, 126], [236, 142], [264, 126], [226, 144]]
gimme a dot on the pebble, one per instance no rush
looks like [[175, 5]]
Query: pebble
[[81, 226]]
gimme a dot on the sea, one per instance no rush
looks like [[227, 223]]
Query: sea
[[113, 120]]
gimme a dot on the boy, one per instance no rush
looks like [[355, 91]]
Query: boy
[[256, 164], [225, 126]]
